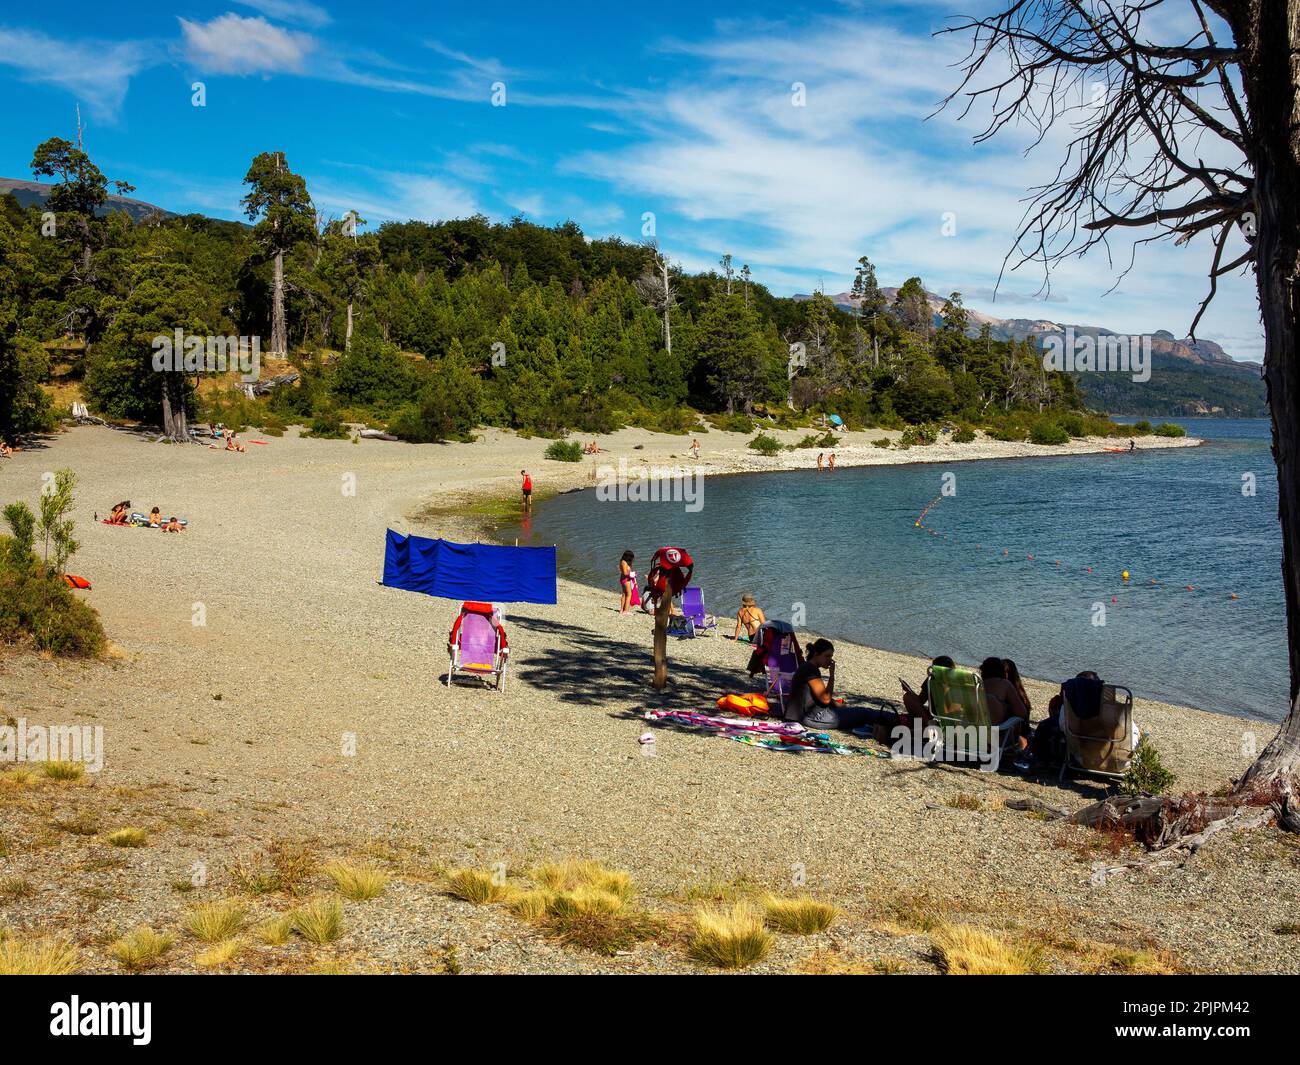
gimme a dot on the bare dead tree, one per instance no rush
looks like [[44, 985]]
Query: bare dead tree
[[656, 288], [1194, 135]]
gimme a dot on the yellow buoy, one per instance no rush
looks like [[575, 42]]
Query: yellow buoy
[[1124, 575]]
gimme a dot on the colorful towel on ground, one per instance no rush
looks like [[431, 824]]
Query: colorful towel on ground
[[770, 735]]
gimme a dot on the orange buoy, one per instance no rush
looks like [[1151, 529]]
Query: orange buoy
[[1058, 561], [1190, 588], [1031, 558], [1089, 569], [1233, 595], [1113, 599]]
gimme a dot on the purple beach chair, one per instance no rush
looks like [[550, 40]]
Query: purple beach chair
[[782, 655], [696, 619], [477, 645]]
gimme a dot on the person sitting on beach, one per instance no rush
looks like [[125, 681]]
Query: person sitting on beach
[[1049, 737], [155, 518], [917, 704], [7, 449], [626, 582], [750, 617], [121, 513], [1003, 699], [232, 442], [812, 701], [173, 525]]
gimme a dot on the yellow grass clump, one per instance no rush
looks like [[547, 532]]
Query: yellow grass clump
[[215, 921], [800, 917], [582, 900], [276, 931], [64, 770], [570, 875], [128, 837], [140, 949], [476, 886], [964, 950], [730, 938], [532, 905], [319, 920], [218, 954], [357, 882], [48, 956]]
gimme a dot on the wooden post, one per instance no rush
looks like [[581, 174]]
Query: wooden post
[[662, 612]]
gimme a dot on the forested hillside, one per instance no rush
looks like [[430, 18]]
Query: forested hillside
[[431, 329]]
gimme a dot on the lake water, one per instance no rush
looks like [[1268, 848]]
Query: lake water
[[844, 549]]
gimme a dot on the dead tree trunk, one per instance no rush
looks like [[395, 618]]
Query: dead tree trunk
[[279, 329], [1270, 70]]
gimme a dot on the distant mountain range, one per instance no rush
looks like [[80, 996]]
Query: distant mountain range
[[34, 193], [1188, 377]]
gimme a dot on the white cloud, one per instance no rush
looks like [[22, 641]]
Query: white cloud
[[232, 44], [96, 72]]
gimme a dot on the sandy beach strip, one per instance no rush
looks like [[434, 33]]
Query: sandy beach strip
[[299, 646]]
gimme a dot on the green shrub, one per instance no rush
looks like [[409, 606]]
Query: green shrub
[[327, 425], [1142, 428], [964, 435], [765, 445], [882, 442], [1047, 432], [1009, 432], [733, 423], [38, 606], [1146, 773], [1170, 429], [918, 435], [1072, 423], [564, 451]]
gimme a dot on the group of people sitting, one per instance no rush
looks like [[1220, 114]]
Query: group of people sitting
[[8, 447], [122, 515], [220, 432], [811, 700]]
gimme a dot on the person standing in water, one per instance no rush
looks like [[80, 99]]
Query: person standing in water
[[831, 463], [821, 460], [528, 491]]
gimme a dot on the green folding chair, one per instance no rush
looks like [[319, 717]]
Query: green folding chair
[[965, 732]]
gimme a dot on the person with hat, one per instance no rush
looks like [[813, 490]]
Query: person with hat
[[750, 617]]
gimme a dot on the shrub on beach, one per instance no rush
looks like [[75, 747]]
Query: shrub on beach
[[1142, 428], [1146, 773], [733, 423], [1047, 433], [1170, 429], [964, 435], [730, 938], [765, 445], [564, 451]]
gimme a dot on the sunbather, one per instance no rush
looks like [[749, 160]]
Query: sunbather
[[232, 442], [155, 518], [812, 700], [1003, 699], [121, 513], [749, 618], [173, 525]]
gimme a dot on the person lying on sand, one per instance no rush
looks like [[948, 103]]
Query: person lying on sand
[[750, 617], [173, 525], [812, 701]]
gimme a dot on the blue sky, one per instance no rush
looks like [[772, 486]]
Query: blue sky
[[685, 110]]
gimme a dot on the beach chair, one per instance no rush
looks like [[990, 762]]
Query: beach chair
[[696, 620], [782, 656], [963, 730], [477, 645], [1098, 730]]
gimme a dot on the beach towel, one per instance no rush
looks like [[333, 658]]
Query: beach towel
[[76, 582], [470, 572], [770, 735]]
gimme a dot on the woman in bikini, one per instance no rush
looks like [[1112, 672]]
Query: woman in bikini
[[750, 616], [626, 582]]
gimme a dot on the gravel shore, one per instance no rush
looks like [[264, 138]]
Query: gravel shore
[[250, 648]]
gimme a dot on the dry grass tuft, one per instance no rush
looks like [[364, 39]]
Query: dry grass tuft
[[48, 956], [964, 950], [215, 921], [730, 938], [476, 886], [357, 882], [140, 949], [532, 905], [219, 954], [319, 920], [278, 867], [571, 875], [800, 917], [276, 931], [128, 837], [64, 770]]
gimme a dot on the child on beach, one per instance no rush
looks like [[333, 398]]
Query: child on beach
[[155, 518]]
